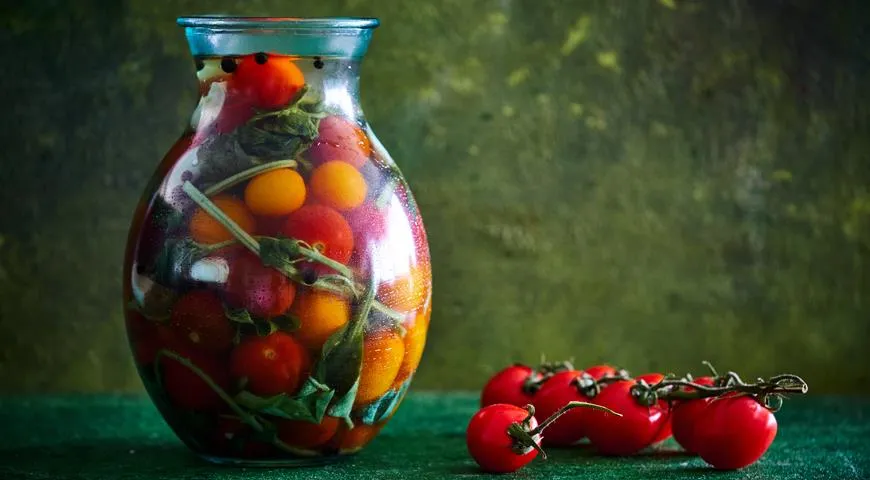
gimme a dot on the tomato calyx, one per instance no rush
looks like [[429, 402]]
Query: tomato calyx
[[538, 376], [525, 437], [589, 386]]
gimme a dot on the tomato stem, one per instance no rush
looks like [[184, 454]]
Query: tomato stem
[[769, 393], [253, 245], [247, 174], [245, 416], [568, 407], [206, 204], [538, 376], [711, 368], [525, 437], [588, 386]]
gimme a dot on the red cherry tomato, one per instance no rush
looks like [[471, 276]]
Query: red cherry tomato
[[556, 392], [199, 318], [665, 431], [261, 290], [489, 442], [324, 229], [340, 139], [369, 227], [232, 438], [734, 431], [270, 81], [637, 429], [270, 365], [187, 389], [686, 416], [599, 371], [506, 386], [306, 434]]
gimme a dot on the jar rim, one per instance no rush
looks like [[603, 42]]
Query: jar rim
[[228, 22]]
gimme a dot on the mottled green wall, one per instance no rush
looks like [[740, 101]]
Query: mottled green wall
[[646, 182]]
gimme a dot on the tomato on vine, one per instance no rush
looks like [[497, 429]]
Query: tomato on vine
[[686, 417], [503, 438], [733, 431], [638, 428]]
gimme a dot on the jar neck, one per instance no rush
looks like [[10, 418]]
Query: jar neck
[[346, 38]]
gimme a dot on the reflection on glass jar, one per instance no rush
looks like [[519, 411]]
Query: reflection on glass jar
[[277, 278]]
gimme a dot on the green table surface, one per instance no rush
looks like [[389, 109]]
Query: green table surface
[[123, 437]]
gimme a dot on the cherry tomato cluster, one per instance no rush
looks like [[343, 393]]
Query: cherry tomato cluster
[[730, 424], [242, 334]]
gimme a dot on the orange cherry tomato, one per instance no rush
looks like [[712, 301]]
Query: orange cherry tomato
[[415, 342], [306, 434], [383, 353], [270, 365], [275, 193], [199, 318], [321, 314], [269, 80], [338, 185], [205, 229], [408, 292]]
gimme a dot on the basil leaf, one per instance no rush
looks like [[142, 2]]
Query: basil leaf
[[239, 315], [342, 407], [341, 356], [308, 405], [219, 157], [287, 323], [382, 408], [282, 134]]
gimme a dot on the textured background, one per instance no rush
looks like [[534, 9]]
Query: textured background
[[651, 183]]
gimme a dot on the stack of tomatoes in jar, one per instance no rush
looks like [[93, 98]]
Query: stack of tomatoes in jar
[[726, 421], [278, 281]]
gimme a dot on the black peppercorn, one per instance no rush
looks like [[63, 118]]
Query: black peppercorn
[[318, 63], [228, 65], [261, 58], [309, 276]]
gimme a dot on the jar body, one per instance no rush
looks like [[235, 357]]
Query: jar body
[[277, 282]]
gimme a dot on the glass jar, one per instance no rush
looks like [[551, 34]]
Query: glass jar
[[277, 282]]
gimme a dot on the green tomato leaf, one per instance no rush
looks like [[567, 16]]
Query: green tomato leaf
[[308, 405], [382, 408]]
